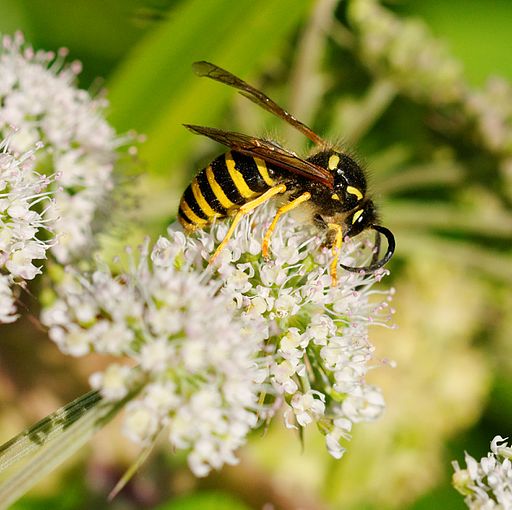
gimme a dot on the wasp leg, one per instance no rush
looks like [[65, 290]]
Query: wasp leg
[[336, 249], [245, 209], [285, 208]]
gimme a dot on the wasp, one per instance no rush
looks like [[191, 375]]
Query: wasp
[[255, 170]]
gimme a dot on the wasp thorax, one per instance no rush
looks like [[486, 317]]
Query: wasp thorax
[[349, 179]]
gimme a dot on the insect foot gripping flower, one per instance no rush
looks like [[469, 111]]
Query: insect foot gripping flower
[[22, 228], [487, 484], [38, 97], [198, 365], [316, 333]]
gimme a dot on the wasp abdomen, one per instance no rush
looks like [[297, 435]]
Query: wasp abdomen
[[230, 181]]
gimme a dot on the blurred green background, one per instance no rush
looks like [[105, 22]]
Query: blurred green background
[[404, 84]]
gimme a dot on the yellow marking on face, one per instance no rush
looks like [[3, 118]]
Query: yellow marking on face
[[203, 204], [356, 215], [237, 177], [191, 214], [217, 190], [263, 170], [333, 162], [335, 196], [354, 191]]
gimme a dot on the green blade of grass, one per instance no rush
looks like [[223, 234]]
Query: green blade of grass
[[45, 430], [31, 455]]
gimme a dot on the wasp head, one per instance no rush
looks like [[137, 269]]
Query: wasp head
[[363, 217]]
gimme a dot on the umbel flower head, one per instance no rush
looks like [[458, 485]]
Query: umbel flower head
[[198, 368], [24, 200], [487, 484], [219, 348], [38, 97]]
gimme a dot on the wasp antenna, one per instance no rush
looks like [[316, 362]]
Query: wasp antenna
[[379, 263]]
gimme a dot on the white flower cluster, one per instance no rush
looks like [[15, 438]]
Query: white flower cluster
[[39, 99], [199, 368], [211, 339], [23, 202], [316, 333], [487, 484], [492, 111]]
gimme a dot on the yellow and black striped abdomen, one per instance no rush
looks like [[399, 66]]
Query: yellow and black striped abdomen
[[230, 181]]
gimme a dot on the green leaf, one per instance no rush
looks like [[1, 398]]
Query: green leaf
[[82, 26]]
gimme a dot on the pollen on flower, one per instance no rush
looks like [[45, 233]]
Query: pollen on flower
[[218, 348], [38, 96]]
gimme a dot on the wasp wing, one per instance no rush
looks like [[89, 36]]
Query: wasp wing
[[256, 96], [268, 151]]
